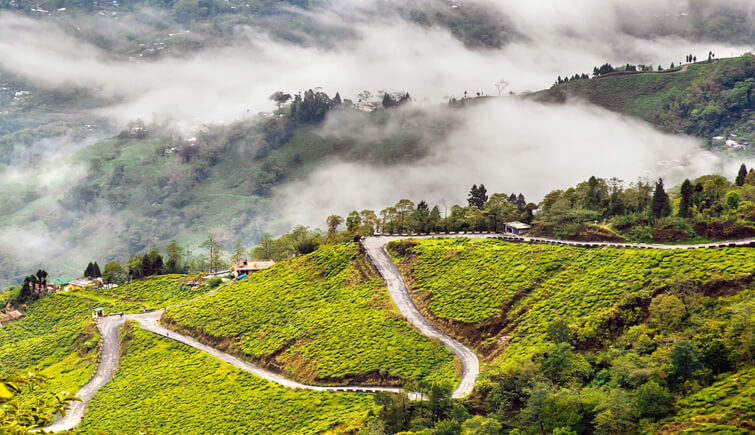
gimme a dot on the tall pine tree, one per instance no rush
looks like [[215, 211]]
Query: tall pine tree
[[686, 201], [740, 180], [660, 205]]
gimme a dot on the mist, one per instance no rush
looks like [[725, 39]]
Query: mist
[[509, 145], [386, 53]]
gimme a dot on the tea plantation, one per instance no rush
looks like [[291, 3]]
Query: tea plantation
[[151, 292], [523, 287], [166, 387], [57, 337], [727, 406], [324, 317]]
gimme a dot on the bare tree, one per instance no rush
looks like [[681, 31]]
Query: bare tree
[[500, 85]]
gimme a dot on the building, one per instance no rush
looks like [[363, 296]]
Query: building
[[517, 228], [10, 316], [245, 267], [83, 283]]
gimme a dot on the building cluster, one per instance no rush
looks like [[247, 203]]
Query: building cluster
[[730, 141]]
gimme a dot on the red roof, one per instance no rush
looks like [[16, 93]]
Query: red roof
[[16, 314]]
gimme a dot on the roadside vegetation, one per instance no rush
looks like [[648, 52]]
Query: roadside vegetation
[[325, 317], [167, 387], [594, 340]]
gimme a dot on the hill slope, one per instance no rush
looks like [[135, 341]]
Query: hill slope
[[702, 99], [324, 317]]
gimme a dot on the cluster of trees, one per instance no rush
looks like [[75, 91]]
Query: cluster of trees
[[641, 208], [482, 214], [390, 101], [30, 288], [566, 79], [313, 106], [92, 270]]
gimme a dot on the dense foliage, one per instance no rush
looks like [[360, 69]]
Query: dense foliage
[[323, 317], [593, 340], [166, 387]]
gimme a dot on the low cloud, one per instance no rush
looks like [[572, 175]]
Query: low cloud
[[510, 145]]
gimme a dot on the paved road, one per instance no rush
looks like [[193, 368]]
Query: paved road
[[375, 247]]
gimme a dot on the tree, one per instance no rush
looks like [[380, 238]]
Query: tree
[[239, 251], [333, 221], [741, 175], [175, 257], [732, 200], [685, 358], [500, 85], [42, 276], [478, 196], [686, 202], [114, 273], [96, 270], [88, 272], [213, 248], [353, 221], [666, 312], [337, 100], [660, 205], [479, 425], [652, 400], [404, 210], [280, 98], [558, 331], [152, 263]]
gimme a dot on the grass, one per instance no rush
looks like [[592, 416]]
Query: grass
[[166, 387], [726, 407], [518, 289], [324, 317], [57, 337]]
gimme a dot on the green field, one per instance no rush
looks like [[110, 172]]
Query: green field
[[57, 337], [523, 287], [165, 387], [324, 317]]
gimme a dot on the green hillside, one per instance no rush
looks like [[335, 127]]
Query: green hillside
[[57, 339], [703, 99], [165, 387], [605, 340], [323, 317]]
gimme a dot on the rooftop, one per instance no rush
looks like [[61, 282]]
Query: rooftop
[[252, 264], [518, 225]]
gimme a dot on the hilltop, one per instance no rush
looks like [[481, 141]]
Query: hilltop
[[702, 99]]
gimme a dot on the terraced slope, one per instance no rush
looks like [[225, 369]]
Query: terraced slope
[[500, 296], [166, 387], [57, 337], [323, 318]]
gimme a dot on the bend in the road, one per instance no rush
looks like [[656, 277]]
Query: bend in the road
[[375, 248]]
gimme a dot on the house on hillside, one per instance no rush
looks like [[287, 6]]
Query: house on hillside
[[246, 267], [517, 228], [79, 284], [10, 316]]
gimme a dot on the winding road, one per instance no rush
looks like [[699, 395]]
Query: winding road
[[375, 249]]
